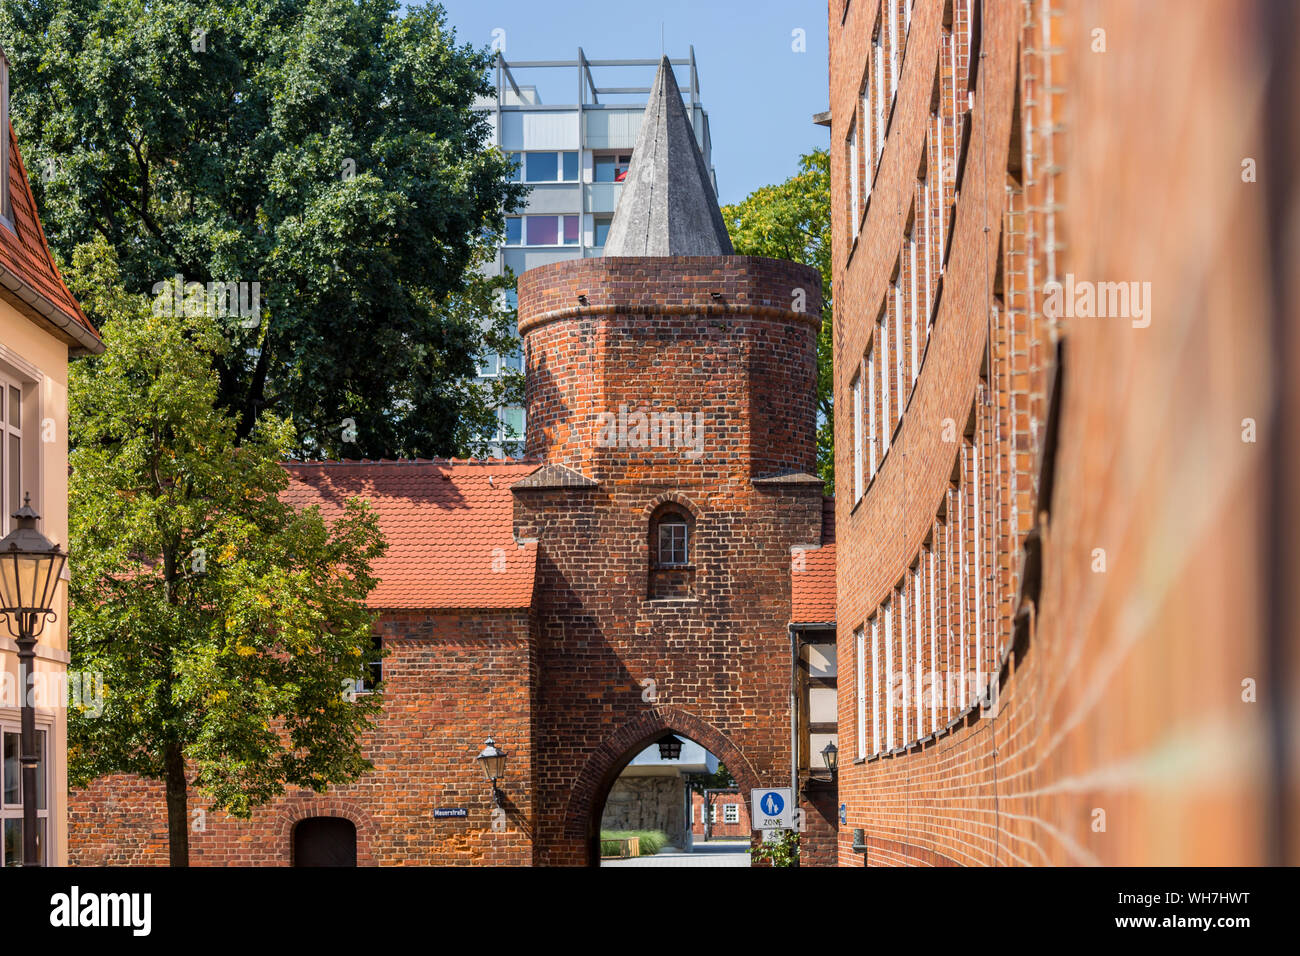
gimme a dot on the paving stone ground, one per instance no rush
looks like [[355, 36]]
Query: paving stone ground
[[716, 853]]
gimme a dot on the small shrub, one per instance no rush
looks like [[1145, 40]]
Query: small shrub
[[652, 841]]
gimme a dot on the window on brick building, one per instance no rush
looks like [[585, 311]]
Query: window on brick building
[[882, 359], [731, 813], [854, 214], [374, 667], [873, 427], [888, 613], [672, 574], [860, 678], [904, 666], [875, 686], [857, 437], [673, 541]]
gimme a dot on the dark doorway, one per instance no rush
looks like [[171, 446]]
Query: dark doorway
[[325, 841]]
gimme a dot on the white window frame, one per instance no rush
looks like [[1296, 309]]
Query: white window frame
[[853, 180], [868, 139], [977, 577], [912, 303], [880, 100], [872, 425], [916, 582], [900, 346], [730, 813], [857, 438], [888, 612], [936, 682], [9, 430], [904, 695], [860, 665], [895, 51], [14, 811], [882, 333], [875, 684]]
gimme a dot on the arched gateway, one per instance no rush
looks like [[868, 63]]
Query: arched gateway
[[642, 570], [608, 760], [671, 401]]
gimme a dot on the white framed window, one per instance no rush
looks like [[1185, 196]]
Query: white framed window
[[940, 186], [869, 135], [904, 652], [916, 582], [882, 335], [11, 793], [713, 813], [857, 438], [962, 582], [889, 675], [895, 48], [900, 343], [878, 73], [875, 686], [12, 451], [912, 303], [936, 682], [861, 678], [731, 813], [853, 180], [977, 578], [610, 167], [872, 425], [928, 255]]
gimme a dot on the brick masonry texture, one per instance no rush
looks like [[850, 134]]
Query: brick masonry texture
[[651, 335], [447, 678], [1101, 568], [598, 665]]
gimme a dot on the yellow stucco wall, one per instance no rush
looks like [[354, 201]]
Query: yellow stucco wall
[[35, 356]]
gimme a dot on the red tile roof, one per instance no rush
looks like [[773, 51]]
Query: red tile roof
[[25, 255], [449, 526], [812, 590]]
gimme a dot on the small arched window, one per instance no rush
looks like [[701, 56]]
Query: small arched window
[[672, 557]]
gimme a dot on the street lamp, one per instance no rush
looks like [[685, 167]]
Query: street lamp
[[831, 756], [493, 762], [30, 565], [670, 748]]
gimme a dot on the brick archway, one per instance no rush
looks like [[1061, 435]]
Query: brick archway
[[587, 799], [302, 806]]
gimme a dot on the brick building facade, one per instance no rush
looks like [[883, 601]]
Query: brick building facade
[[1063, 579], [632, 577]]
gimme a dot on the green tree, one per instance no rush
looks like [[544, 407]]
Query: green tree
[[226, 625], [792, 220], [327, 150]]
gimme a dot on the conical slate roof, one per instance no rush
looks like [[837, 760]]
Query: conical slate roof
[[667, 207]]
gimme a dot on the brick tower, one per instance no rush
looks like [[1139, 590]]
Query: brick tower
[[671, 391]]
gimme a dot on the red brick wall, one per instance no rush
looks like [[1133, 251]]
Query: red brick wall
[[450, 681], [720, 828], [1120, 734], [653, 336]]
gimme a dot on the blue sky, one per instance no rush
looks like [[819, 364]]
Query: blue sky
[[760, 94]]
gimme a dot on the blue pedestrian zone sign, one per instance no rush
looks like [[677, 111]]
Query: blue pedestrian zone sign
[[770, 808]]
